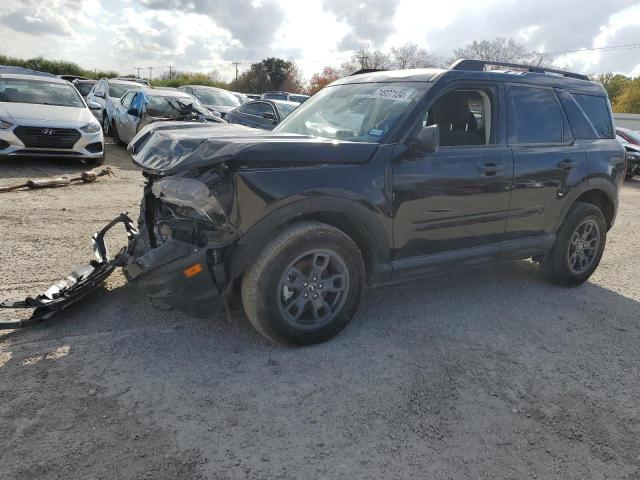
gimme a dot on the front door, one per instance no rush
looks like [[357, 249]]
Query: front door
[[457, 197]]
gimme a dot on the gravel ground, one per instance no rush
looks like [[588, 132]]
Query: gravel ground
[[492, 374]]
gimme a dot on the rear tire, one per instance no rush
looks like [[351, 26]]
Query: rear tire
[[305, 286], [579, 246]]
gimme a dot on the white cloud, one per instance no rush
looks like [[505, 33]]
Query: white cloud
[[205, 35]]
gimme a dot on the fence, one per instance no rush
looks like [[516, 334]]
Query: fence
[[627, 120]]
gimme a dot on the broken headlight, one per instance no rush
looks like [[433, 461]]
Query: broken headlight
[[190, 193]]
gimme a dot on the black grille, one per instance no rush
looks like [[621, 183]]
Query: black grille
[[45, 137]]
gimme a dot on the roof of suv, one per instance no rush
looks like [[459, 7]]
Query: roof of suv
[[432, 74]]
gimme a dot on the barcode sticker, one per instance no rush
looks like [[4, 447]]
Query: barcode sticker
[[395, 94]]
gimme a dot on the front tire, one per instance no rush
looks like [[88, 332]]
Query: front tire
[[305, 286], [115, 136], [579, 246], [105, 124]]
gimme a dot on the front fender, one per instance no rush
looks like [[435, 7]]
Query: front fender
[[364, 220]]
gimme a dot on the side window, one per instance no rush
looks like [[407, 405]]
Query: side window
[[597, 111], [581, 126], [126, 100], [264, 108], [257, 108], [535, 115], [463, 117]]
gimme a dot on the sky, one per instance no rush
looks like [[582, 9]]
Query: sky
[[207, 35]]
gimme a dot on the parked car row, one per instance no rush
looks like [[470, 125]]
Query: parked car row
[[126, 106]]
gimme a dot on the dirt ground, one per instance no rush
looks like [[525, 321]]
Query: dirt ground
[[492, 374]]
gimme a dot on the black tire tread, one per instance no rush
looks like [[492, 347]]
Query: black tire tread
[[252, 277], [552, 266]]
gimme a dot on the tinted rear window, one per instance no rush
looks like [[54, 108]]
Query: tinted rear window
[[536, 115], [597, 111]]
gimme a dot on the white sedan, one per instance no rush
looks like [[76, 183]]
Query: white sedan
[[44, 116]]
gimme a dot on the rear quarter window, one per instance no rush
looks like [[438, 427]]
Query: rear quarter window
[[597, 111]]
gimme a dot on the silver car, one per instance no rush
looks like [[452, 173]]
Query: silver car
[[105, 93], [46, 117], [138, 108]]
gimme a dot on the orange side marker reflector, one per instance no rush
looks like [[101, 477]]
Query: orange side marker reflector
[[192, 270]]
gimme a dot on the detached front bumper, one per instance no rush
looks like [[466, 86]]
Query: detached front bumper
[[77, 284]]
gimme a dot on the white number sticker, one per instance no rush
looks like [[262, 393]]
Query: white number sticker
[[395, 94]]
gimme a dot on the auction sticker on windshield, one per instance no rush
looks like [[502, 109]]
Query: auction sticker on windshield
[[395, 94]]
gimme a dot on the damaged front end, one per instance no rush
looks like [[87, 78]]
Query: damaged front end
[[177, 257], [77, 284]]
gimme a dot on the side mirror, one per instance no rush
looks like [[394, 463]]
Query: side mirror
[[428, 139], [94, 106], [133, 112], [268, 115]]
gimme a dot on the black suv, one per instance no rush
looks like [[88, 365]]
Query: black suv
[[378, 178]]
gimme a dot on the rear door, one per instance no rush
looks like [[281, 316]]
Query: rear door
[[548, 162]]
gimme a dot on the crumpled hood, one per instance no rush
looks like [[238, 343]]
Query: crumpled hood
[[170, 147], [44, 115]]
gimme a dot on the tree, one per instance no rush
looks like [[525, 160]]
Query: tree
[[498, 50], [270, 74], [614, 84], [56, 67], [410, 55], [320, 80], [628, 100], [365, 58]]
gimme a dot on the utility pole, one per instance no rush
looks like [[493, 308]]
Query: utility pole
[[138, 68], [150, 72], [236, 65], [170, 72]]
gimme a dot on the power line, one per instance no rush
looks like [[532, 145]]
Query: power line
[[596, 49], [150, 72]]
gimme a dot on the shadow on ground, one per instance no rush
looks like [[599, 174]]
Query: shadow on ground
[[481, 374]]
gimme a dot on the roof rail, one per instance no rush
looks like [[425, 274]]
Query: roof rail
[[367, 70], [479, 65]]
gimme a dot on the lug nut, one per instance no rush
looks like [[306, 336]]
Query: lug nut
[[320, 286], [306, 295], [315, 296], [305, 284], [314, 279]]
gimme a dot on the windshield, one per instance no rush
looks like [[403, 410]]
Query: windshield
[[285, 108], [158, 106], [217, 97], [117, 91], [84, 88], [39, 92], [359, 112]]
